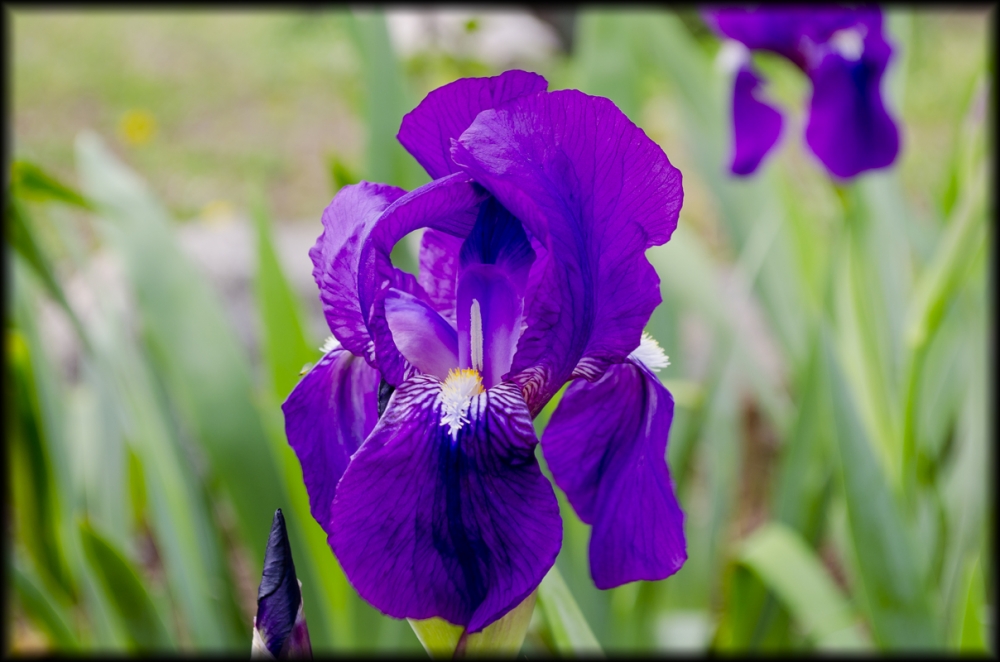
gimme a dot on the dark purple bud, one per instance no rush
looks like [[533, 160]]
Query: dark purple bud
[[280, 625]]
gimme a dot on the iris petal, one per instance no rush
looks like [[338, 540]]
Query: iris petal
[[499, 239], [756, 124], [844, 53], [849, 128], [427, 131], [327, 417], [347, 222], [606, 446], [423, 337], [439, 270], [598, 192], [463, 529], [791, 32]]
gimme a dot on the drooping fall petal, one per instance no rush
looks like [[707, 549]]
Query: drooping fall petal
[[606, 446], [327, 417], [463, 528]]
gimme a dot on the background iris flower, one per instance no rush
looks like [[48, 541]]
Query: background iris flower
[[844, 52], [415, 431]]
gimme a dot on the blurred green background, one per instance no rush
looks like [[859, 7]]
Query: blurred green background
[[828, 343]]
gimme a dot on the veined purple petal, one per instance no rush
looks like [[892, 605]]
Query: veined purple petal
[[422, 336], [598, 192], [327, 416], [391, 363], [426, 525], [756, 124], [849, 128], [347, 221], [606, 446], [439, 270], [427, 131]]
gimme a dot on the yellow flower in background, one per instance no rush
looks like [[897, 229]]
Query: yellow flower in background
[[218, 211], [137, 126]]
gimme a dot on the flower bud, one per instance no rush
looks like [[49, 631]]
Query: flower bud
[[279, 628]]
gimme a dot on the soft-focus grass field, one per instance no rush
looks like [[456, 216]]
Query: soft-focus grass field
[[828, 343]]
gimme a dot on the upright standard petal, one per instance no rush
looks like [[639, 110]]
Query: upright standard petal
[[426, 524], [598, 192], [336, 256], [327, 417], [427, 131], [756, 124], [606, 446], [849, 128]]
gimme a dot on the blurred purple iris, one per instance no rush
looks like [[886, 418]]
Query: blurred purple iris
[[415, 431], [844, 53]]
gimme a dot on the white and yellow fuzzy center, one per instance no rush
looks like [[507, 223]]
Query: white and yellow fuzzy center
[[455, 397]]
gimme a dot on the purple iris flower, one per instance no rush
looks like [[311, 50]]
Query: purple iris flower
[[844, 53], [414, 431]]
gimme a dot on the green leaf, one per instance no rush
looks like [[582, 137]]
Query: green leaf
[[970, 620], [802, 488], [864, 337], [388, 100], [571, 635], [340, 174], [751, 618], [32, 183], [688, 272], [963, 240], [38, 507], [896, 597], [179, 516], [43, 608], [21, 236], [194, 347], [126, 592], [284, 343], [606, 57], [787, 565]]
